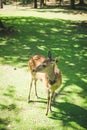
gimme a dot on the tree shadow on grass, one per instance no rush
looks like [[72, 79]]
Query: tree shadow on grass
[[8, 108], [70, 113], [67, 39], [37, 36], [3, 124], [10, 92]]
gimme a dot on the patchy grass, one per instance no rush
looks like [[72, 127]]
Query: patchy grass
[[36, 36]]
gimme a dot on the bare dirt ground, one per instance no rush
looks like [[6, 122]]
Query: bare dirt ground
[[54, 13]]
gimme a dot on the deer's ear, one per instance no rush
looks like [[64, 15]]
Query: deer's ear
[[57, 59], [50, 55]]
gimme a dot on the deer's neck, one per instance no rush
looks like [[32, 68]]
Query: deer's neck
[[51, 76]]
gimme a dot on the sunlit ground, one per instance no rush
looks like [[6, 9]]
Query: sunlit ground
[[16, 10], [35, 35]]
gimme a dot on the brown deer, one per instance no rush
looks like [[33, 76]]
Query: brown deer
[[46, 70]]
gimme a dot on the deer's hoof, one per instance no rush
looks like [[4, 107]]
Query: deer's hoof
[[50, 111], [36, 97], [28, 101], [46, 114]]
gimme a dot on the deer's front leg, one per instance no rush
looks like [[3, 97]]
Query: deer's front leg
[[48, 102], [51, 101]]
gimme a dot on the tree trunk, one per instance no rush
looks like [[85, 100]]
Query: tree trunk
[[42, 3], [81, 2], [73, 4], [1, 3], [35, 3]]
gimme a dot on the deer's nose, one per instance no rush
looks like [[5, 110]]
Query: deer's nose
[[34, 70]]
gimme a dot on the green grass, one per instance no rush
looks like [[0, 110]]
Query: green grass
[[67, 39]]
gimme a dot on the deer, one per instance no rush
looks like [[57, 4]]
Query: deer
[[47, 71]]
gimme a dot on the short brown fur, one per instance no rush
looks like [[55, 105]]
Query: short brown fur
[[51, 81]]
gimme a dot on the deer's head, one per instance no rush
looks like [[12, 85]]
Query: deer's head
[[47, 64]]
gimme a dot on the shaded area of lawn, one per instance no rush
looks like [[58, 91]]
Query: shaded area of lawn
[[66, 39], [8, 107], [70, 113]]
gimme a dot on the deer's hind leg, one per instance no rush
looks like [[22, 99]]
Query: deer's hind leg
[[35, 88], [30, 87]]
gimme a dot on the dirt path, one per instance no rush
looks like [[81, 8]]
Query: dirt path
[[57, 13]]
